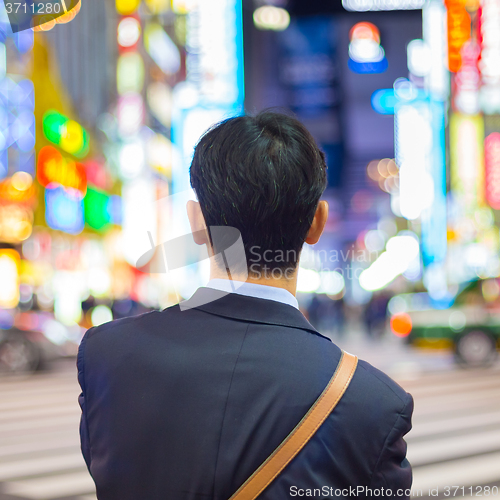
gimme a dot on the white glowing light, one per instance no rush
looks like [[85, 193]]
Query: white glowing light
[[9, 291], [272, 18], [56, 332], [419, 58], [69, 289], [139, 219], [365, 50], [405, 90], [375, 240], [332, 282], [435, 36], [376, 5], [129, 31], [413, 155], [131, 160], [308, 280], [101, 314], [99, 281], [160, 154], [490, 54], [400, 252]]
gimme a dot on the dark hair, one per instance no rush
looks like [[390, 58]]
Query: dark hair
[[263, 175]]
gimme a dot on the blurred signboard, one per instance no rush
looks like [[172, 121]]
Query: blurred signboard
[[309, 76]]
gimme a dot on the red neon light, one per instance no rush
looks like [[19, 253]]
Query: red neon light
[[492, 169], [53, 168]]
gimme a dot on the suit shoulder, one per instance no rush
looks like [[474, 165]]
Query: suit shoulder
[[381, 385], [118, 325]]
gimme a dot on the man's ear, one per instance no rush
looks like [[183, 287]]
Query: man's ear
[[197, 223], [318, 223]]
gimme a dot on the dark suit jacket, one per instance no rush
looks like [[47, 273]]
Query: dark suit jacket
[[187, 404]]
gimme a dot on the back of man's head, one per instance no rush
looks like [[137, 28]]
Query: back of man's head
[[264, 176]]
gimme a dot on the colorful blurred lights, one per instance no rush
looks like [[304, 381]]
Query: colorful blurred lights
[[365, 52], [67, 134], [52, 168]]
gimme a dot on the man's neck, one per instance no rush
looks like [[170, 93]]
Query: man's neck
[[290, 285]]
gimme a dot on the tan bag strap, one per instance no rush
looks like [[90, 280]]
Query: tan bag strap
[[304, 430]]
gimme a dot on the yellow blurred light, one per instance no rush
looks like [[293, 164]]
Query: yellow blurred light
[[15, 223], [125, 7], [183, 6], [158, 6], [72, 137], [9, 271], [22, 181], [272, 18]]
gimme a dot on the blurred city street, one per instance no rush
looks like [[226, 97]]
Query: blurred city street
[[455, 439]]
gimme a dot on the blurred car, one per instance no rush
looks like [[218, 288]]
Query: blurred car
[[468, 323], [29, 340]]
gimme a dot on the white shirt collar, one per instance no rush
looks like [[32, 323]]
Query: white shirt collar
[[253, 290]]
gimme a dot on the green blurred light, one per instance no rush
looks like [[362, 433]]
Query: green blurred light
[[67, 134], [96, 209], [52, 126]]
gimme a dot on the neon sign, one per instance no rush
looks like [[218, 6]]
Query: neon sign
[[365, 52], [67, 134], [53, 168], [459, 31], [64, 210]]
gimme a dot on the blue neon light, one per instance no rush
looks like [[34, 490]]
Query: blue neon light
[[64, 210], [384, 101], [368, 68], [434, 221]]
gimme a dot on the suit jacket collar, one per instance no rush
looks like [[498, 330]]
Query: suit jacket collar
[[250, 309]]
